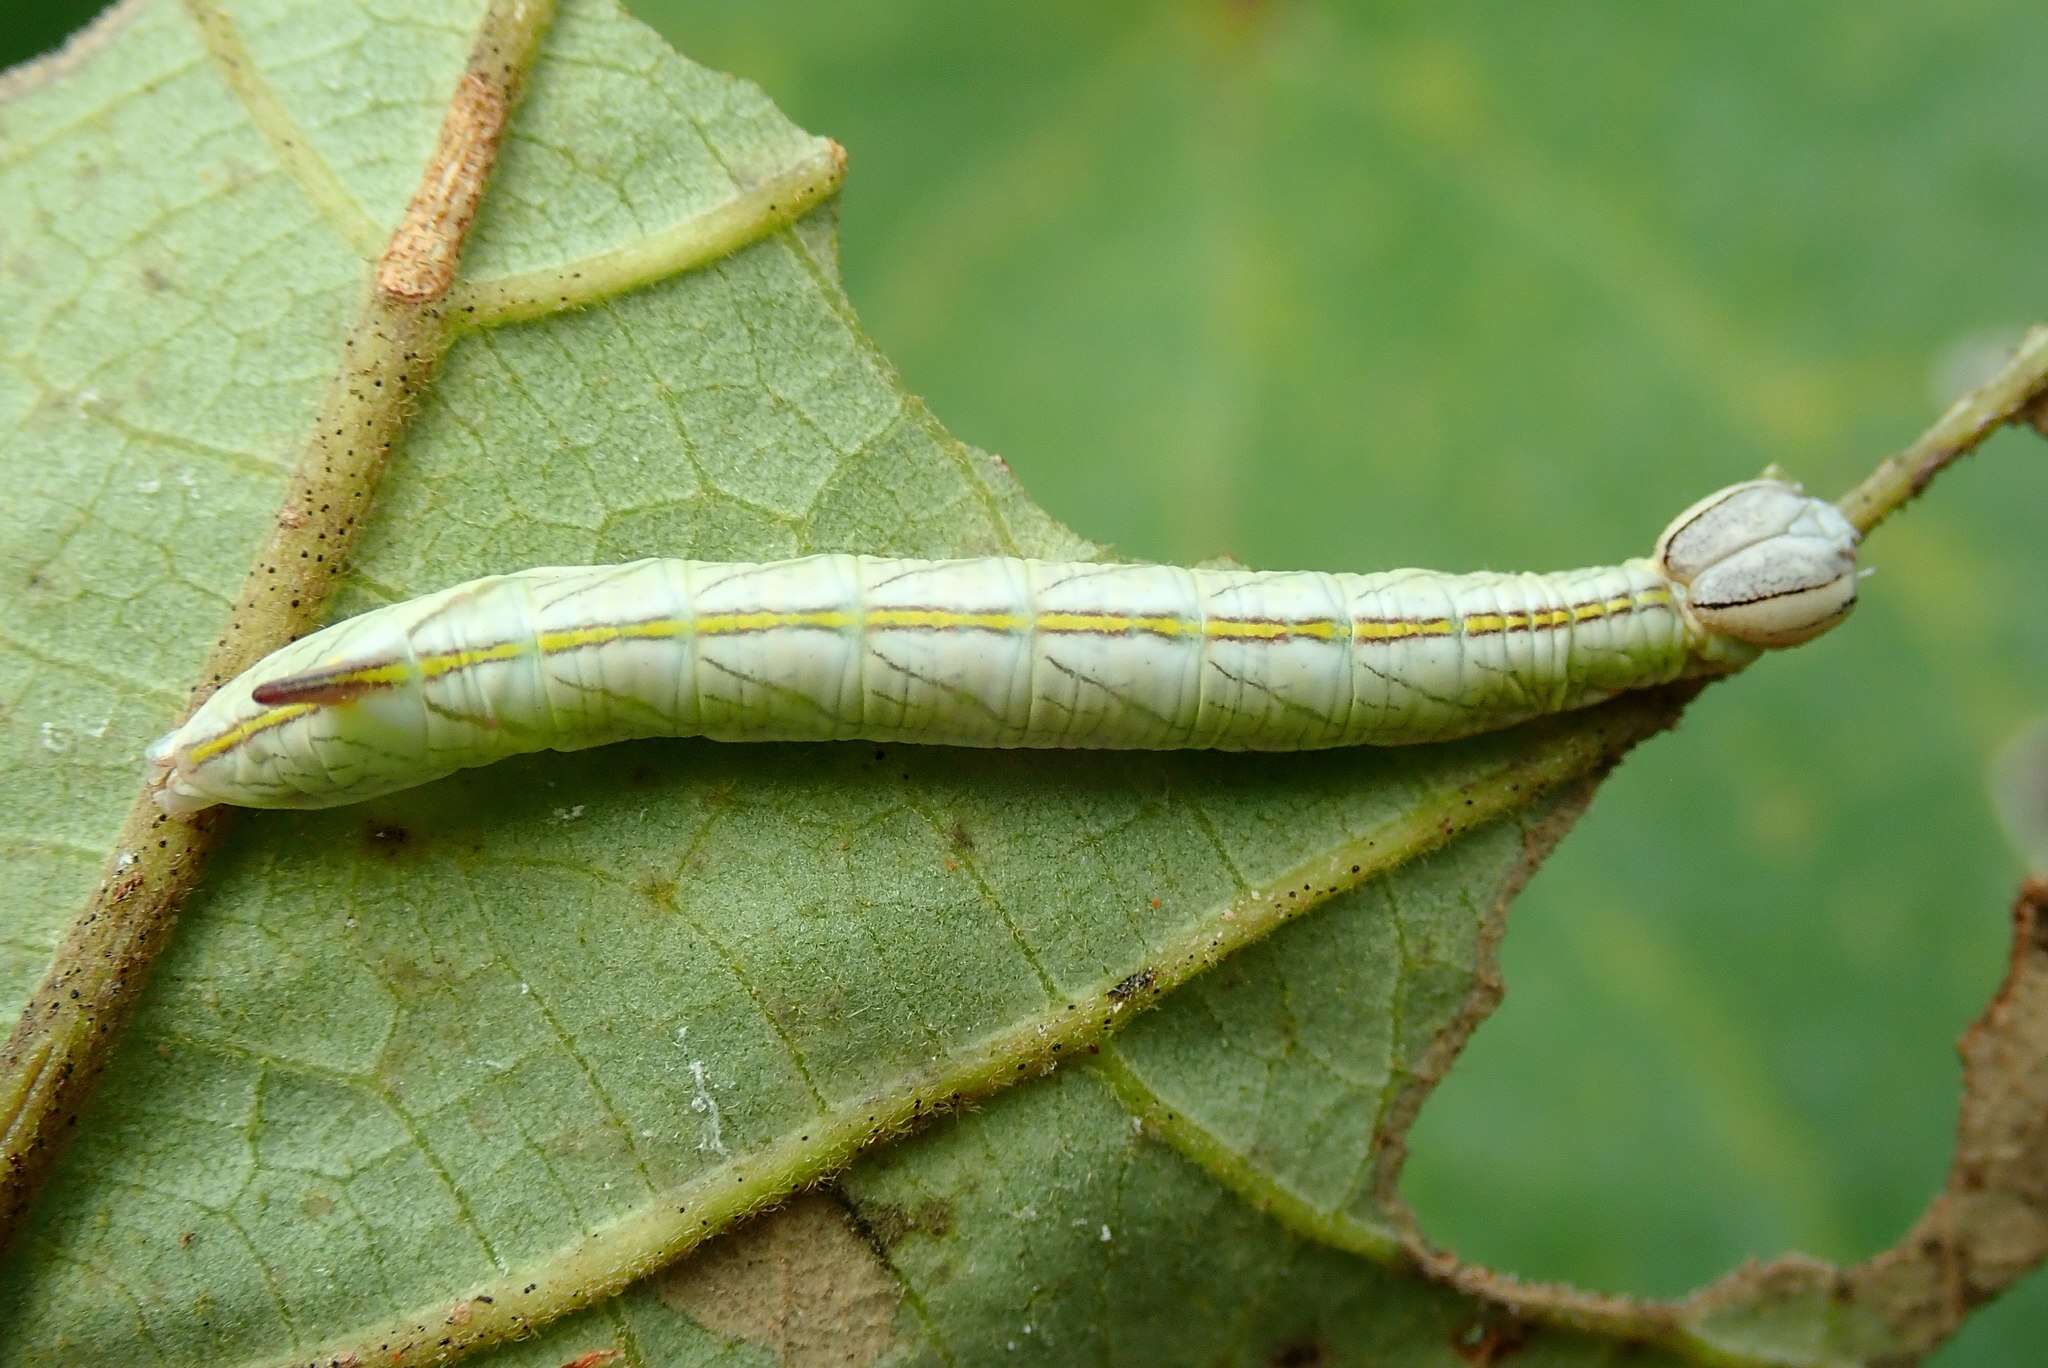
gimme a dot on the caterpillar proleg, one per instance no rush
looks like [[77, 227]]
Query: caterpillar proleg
[[998, 652]]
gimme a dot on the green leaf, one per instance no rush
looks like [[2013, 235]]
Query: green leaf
[[456, 1063], [1501, 284]]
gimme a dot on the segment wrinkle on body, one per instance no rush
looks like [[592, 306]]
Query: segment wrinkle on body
[[1349, 637], [999, 652]]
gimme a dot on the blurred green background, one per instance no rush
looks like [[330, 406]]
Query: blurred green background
[[1507, 285]]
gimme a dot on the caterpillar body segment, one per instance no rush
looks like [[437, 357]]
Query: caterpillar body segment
[[996, 652]]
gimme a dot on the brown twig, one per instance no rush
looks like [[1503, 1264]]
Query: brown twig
[[66, 1033], [2016, 394]]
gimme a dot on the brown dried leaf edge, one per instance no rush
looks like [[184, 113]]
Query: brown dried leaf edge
[[1984, 1230]]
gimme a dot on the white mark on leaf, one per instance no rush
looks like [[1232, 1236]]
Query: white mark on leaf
[[702, 1102], [714, 1139]]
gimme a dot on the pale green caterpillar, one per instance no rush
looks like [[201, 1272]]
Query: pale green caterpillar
[[998, 652]]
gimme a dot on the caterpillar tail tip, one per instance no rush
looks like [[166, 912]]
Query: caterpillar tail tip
[[173, 794], [177, 800], [161, 753]]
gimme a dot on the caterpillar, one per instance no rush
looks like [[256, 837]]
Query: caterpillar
[[998, 651]]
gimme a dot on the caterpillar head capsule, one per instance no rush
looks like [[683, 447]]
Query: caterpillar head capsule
[[1763, 563]]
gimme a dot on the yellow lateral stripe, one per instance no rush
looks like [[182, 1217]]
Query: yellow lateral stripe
[[720, 624], [234, 736], [392, 672], [1400, 629], [447, 662], [1321, 629], [1481, 624], [575, 638], [943, 619], [1112, 622]]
